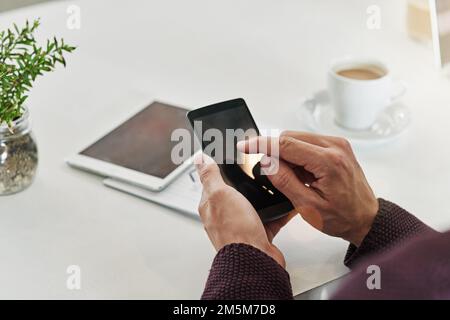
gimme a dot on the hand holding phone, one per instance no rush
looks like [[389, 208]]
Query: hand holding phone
[[230, 219], [219, 127]]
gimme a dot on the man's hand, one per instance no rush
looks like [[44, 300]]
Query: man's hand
[[228, 217], [322, 178]]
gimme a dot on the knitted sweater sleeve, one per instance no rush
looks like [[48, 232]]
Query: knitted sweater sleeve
[[392, 225], [240, 271]]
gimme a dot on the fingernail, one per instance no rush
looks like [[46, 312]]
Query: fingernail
[[198, 161], [241, 146], [202, 160], [265, 161]]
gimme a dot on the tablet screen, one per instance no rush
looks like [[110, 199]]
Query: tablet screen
[[143, 143]]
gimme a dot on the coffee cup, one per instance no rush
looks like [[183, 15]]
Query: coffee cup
[[359, 90]]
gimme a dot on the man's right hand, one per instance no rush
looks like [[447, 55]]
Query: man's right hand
[[322, 178]]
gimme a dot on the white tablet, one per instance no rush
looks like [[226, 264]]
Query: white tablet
[[139, 151]]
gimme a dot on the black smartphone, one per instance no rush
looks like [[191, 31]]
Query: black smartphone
[[219, 127]]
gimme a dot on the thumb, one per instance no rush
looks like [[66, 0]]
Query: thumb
[[209, 173]]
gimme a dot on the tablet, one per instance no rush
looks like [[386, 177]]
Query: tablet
[[139, 151], [228, 118]]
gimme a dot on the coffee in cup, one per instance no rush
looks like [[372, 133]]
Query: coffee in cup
[[359, 90], [362, 73]]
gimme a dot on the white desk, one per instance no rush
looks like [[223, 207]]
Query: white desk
[[194, 53]]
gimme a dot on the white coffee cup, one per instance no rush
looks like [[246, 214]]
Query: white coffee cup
[[359, 90]]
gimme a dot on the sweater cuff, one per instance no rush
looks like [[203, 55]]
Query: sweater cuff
[[242, 272], [391, 225]]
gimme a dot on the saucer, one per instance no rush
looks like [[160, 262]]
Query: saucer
[[318, 114]]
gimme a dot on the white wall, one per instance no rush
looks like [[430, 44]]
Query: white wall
[[12, 4]]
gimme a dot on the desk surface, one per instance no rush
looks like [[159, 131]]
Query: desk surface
[[194, 53]]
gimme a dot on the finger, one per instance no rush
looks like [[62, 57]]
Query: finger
[[258, 144], [308, 137], [209, 173], [286, 181], [290, 149]]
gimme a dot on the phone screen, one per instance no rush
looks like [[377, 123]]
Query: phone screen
[[232, 119]]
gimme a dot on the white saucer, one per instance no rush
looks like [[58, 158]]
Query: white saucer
[[318, 114]]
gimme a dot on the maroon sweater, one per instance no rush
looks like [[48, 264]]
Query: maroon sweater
[[414, 262]]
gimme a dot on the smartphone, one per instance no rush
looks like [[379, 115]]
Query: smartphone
[[218, 128]]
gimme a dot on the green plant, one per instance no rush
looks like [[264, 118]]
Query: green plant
[[22, 60]]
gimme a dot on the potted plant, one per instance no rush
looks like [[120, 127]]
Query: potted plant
[[22, 60]]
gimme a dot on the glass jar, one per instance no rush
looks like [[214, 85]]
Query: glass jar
[[18, 155]]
